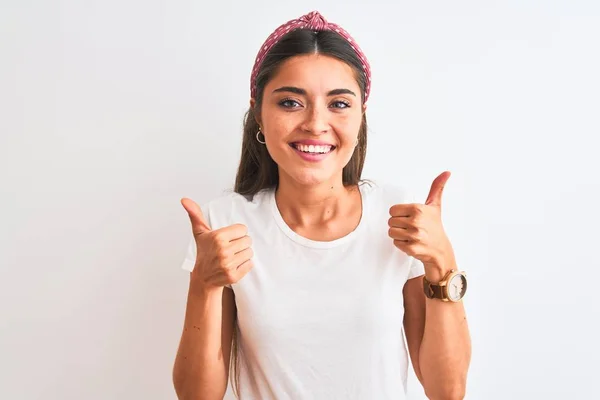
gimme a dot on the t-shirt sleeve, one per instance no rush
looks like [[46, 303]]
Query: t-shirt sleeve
[[416, 268], [190, 256]]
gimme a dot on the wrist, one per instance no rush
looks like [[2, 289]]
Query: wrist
[[436, 271], [200, 289]]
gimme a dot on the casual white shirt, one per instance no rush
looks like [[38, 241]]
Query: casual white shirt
[[319, 320]]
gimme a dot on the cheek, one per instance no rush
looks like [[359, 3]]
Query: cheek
[[278, 125], [347, 127]]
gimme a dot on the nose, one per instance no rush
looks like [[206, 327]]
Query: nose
[[316, 121]]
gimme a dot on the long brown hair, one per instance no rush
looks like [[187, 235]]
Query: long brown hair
[[257, 170]]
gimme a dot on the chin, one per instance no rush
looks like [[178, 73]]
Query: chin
[[311, 177]]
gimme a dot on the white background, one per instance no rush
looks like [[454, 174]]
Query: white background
[[111, 111]]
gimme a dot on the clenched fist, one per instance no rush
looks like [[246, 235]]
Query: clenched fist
[[223, 256], [418, 231]]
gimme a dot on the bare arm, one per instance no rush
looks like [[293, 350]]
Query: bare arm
[[437, 332], [414, 321], [223, 257], [201, 367], [438, 342]]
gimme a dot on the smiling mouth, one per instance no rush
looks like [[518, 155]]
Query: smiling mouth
[[313, 149]]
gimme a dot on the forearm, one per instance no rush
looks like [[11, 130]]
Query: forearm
[[201, 369], [445, 351]]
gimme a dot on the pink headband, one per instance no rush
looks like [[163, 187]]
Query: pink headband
[[316, 22]]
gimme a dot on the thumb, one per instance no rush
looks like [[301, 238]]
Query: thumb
[[199, 224], [437, 188]]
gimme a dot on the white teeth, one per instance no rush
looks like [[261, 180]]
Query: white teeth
[[313, 149]]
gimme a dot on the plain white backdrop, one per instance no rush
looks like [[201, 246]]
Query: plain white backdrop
[[111, 111]]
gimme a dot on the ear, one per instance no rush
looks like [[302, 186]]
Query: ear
[[364, 108], [256, 115]]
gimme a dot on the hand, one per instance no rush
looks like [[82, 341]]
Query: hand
[[223, 256], [417, 230]]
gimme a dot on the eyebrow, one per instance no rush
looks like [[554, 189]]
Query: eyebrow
[[302, 92]]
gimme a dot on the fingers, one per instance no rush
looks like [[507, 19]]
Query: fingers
[[400, 222], [240, 258], [234, 274], [402, 229], [240, 244], [406, 210], [404, 246], [245, 268], [400, 234], [199, 224], [239, 266], [232, 232]]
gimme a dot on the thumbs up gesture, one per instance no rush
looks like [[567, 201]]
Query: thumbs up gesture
[[417, 230], [223, 256]]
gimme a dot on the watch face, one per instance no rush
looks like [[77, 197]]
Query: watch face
[[457, 286]]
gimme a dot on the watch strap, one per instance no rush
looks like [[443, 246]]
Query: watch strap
[[433, 291]]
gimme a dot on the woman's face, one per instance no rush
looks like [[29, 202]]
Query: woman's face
[[310, 117]]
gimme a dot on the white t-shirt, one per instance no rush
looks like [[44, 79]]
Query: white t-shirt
[[319, 320]]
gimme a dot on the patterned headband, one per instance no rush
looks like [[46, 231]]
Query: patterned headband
[[316, 22]]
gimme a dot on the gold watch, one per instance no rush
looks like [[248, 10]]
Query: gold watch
[[452, 287]]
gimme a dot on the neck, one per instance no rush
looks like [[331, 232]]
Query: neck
[[311, 205]]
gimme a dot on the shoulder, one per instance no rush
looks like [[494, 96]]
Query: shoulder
[[386, 193], [231, 207], [230, 198]]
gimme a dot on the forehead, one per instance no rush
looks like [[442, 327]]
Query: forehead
[[315, 72]]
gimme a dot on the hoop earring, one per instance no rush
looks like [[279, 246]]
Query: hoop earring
[[258, 139]]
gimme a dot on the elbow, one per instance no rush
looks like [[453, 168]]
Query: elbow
[[184, 390], [178, 382], [445, 386], [455, 391], [187, 392], [189, 387]]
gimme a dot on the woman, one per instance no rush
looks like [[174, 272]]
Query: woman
[[307, 276]]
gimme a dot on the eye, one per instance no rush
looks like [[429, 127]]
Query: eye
[[289, 103], [340, 104]]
